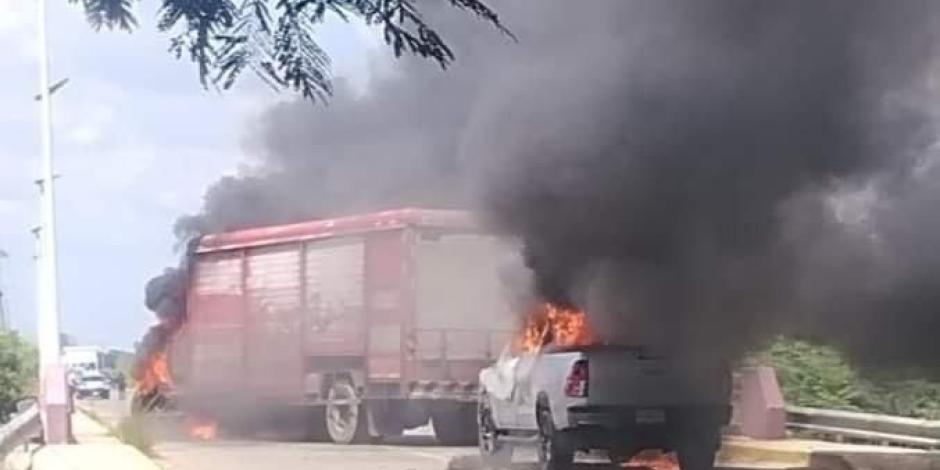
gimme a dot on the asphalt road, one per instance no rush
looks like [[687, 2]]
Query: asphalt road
[[417, 450], [255, 455]]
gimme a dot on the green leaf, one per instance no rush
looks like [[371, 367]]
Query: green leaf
[[276, 38], [18, 363]]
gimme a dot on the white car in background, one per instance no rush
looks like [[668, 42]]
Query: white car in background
[[613, 398], [93, 384]]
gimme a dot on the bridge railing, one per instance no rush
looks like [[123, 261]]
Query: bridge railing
[[19, 429], [868, 428]]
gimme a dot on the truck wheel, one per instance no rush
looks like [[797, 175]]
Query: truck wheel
[[554, 450], [697, 457], [495, 454], [346, 421], [455, 424]]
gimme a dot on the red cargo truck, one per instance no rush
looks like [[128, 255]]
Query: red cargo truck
[[361, 326]]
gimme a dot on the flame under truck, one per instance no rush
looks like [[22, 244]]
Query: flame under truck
[[358, 327]]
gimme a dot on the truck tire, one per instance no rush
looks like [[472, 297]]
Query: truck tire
[[697, 458], [345, 415], [554, 450], [698, 450], [455, 424], [494, 453]]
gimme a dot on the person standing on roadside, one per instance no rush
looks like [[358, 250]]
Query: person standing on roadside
[[121, 384]]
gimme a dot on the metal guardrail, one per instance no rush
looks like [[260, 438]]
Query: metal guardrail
[[23, 426], [851, 426]]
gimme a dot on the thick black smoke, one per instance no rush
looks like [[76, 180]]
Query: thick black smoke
[[703, 174], [680, 169], [165, 296]]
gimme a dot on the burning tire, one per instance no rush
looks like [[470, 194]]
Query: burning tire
[[554, 450], [346, 420]]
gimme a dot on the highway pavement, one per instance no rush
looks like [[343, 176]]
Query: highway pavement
[[416, 450]]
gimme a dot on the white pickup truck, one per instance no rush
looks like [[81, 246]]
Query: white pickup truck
[[613, 398], [92, 384]]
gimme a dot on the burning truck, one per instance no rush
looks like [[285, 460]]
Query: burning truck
[[359, 326], [365, 326], [561, 386]]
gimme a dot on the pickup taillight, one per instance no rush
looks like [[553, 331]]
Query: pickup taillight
[[576, 385]]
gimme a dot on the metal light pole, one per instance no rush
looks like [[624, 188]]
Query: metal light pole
[[54, 396]]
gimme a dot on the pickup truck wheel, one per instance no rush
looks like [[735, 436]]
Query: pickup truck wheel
[[697, 458], [346, 421], [555, 453], [495, 454]]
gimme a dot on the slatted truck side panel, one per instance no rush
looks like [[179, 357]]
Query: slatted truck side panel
[[387, 316]]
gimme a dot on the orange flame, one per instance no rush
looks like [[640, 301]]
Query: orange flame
[[154, 374], [548, 323], [205, 430], [653, 460]]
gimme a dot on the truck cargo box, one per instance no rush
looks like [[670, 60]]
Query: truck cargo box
[[408, 303]]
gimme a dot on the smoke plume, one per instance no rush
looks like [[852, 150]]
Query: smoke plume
[[701, 175], [692, 173]]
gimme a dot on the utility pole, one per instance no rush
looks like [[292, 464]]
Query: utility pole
[[54, 399]]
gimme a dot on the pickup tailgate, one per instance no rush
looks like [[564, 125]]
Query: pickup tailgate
[[628, 376]]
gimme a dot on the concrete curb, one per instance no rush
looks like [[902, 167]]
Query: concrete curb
[[96, 456], [759, 452], [819, 455]]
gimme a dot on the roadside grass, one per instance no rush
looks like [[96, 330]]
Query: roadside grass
[[130, 430]]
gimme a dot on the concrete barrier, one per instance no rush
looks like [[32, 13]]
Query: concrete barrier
[[761, 412]]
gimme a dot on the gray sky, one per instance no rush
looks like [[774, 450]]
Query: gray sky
[[137, 140]]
